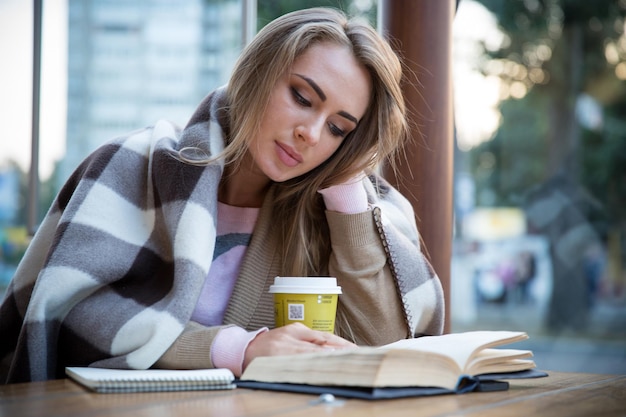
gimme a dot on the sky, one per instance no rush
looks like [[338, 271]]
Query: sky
[[475, 96]]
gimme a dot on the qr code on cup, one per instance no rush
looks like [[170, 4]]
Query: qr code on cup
[[296, 311]]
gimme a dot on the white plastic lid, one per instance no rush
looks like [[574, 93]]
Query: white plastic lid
[[305, 285]]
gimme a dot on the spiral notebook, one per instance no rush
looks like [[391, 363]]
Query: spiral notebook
[[151, 380]]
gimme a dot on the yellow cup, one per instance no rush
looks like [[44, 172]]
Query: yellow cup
[[311, 301]]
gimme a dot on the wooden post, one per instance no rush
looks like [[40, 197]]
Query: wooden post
[[421, 32]]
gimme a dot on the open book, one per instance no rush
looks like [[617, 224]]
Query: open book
[[128, 380], [447, 362]]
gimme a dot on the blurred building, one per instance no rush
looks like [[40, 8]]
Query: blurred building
[[131, 63]]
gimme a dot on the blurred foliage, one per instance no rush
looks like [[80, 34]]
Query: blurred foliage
[[14, 236], [47, 193], [552, 53], [537, 31], [512, 162], [604, 162], [267, 10]]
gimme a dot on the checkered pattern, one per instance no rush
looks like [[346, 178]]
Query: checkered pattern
[[112, 276]]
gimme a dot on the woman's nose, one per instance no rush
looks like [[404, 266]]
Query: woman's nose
[[309, 132]]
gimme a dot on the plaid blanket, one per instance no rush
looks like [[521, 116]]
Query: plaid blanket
[[96, 288]]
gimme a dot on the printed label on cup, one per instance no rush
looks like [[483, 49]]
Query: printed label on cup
[[311, 301]]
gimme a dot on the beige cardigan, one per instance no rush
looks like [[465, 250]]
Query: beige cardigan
[[370, 304]]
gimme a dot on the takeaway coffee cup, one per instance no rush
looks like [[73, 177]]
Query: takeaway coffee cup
[[311, 301]]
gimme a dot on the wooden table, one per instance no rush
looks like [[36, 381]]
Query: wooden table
[[560, 394]]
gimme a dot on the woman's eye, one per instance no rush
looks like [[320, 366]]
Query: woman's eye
[[299, 99], [335, 131]]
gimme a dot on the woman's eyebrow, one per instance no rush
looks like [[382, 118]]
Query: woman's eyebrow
[[314, 86], [348, 116], [322, 97]]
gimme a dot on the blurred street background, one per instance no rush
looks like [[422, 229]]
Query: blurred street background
[[481, 301]]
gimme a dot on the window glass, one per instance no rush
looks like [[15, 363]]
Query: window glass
[[108, 67], [540, 235], [540, 177], [16, 83]]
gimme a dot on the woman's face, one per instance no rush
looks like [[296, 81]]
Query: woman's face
[[312, 108]]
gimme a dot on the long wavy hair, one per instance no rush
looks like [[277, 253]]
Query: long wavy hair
[[298, 208]]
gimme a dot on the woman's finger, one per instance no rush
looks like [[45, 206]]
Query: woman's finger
[[319, 338]]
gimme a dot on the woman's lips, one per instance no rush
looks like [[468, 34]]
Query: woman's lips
[[288, 155]]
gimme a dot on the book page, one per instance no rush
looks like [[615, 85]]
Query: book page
[[499, 360], [460, 347], [362, 367], [427, 361], [356, 366]]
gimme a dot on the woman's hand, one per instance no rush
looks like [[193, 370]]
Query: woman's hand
[[348, 197], [291, 339]]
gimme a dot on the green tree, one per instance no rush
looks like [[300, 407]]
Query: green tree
[[505, 167], [556, 52], [560, 48], [267, 10]]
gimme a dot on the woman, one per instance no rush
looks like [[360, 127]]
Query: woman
[[160, 249]]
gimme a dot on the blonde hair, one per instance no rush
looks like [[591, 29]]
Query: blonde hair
[[299, 210]]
